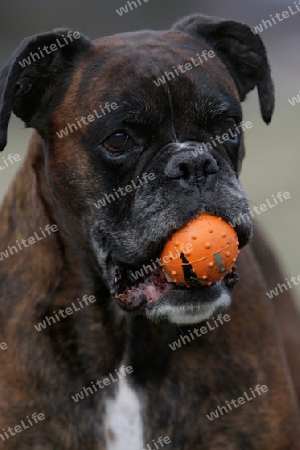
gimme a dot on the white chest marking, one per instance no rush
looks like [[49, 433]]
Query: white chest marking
[[123, 422]]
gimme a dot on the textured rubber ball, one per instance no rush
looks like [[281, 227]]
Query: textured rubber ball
[[201, 253]]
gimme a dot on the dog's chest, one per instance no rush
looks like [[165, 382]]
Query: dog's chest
[[123, 419]]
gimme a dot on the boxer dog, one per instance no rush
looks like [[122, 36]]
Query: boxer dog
[[88, 358]]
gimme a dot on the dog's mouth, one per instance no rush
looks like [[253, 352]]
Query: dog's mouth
[[134, 290]]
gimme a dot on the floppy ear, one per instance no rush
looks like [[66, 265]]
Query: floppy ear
[[34, 72], [243, 53]]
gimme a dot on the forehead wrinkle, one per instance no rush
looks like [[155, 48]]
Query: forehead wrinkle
[[138, 110], [137, 105]]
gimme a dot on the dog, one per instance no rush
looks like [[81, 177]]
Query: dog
[[88, 358]]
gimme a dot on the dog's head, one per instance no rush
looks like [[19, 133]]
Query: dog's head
[[142, 132]]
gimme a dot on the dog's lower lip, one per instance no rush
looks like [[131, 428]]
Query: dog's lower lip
[[177, 288], [141, 291], [133, 290], [202, 293]]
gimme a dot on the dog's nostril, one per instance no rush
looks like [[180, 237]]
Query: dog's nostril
[[210, 167], [184, 171]]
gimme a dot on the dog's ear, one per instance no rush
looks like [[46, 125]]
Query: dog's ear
[[242, 51], [33, 73]]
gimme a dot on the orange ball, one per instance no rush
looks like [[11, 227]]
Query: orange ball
[[201, 253]]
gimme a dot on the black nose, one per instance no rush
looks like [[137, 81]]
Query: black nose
[[196, 170]]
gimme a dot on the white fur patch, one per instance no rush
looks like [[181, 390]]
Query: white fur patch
[[185, 315], [123, 424]]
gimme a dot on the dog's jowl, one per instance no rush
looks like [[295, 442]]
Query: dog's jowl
[[101, 373]]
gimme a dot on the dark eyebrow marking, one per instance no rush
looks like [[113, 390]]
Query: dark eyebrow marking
[[135, 113], [213, 106], [218, 105]]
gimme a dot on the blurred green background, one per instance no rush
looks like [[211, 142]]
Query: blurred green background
[[273, 156]]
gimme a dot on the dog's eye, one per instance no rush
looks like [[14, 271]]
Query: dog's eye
[[229, 127], [118, 143]]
